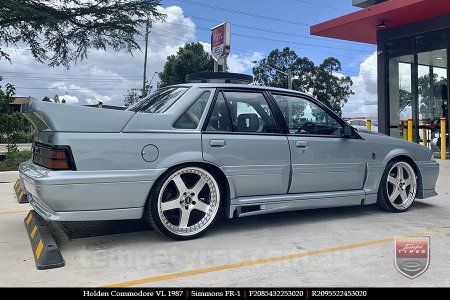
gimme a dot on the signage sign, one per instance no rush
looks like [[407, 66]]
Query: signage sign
[[220, 41], [412, 255]]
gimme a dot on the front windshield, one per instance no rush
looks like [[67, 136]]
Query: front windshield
[[159, 101]]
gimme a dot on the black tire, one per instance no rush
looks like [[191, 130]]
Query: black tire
[[165, 188], [383, 200]]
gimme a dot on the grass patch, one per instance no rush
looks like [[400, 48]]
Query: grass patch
[[12, 163]]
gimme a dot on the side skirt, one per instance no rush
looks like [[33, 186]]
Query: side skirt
[[258, 205]]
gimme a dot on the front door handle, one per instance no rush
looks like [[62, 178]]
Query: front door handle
[[301, 144], [217, 143]]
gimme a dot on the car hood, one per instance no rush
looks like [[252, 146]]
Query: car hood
[[48, 116]]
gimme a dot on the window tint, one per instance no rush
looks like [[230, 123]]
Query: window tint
[[159, 101], [250, 112], [191, 118], [305, 117], [242, 112], [220, 117]]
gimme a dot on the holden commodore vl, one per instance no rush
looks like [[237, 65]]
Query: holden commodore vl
[[188, 153]]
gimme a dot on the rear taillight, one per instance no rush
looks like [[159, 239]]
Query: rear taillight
[[54, 158]]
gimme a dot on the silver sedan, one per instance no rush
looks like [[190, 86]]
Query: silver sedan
[[188, 153]]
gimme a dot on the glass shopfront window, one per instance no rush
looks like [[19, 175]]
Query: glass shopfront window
[[418, 85]]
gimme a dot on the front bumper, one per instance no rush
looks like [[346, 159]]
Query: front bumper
[[87, 195], [429, 171]]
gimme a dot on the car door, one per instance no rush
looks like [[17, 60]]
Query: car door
[[242, 136], [323, 160]]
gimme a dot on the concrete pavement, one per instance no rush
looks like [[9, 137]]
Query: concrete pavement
[[19, 146], [329, 247]]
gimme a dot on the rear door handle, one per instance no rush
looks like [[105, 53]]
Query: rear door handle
[[301, 144], [217, 143]]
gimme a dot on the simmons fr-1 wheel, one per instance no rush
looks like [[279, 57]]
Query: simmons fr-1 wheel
[[184, 203], [398, 187]]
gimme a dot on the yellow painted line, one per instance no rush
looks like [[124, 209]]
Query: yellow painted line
[[263, 261], [39, 249], [33, 232], [13, 212], [30, 216]]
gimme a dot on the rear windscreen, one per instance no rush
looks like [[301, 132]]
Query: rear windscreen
[[159, 101]]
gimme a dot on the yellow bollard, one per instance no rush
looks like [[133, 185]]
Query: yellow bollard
[[424, 134], [443, 140], [369, 125], [410, 130], [402, 127]]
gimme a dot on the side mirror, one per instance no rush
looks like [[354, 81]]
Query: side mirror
[[348, 130]]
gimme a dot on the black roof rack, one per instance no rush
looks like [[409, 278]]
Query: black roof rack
[[219, 77]]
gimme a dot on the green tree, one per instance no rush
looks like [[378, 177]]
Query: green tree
[[322, 81], [405, 98], [63, 31], [431, 101], [46, 99], [190, 58], [302, 70], [56, 99], [331, 89], [10, 121], [135, 95]]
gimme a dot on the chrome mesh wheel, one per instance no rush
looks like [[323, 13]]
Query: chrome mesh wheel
[[188, 201], [401, 185]]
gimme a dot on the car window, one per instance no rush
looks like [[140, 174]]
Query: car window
[[191, 118], [305, 117], [248, 111], [220, 117], [159, 101]]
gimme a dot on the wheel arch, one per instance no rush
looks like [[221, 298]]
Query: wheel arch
[[413, 164], [224, 183]]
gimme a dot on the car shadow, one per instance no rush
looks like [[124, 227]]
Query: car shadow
[[306, 217], [77, 230]]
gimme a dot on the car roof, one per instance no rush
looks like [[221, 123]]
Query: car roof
[[242, 86]]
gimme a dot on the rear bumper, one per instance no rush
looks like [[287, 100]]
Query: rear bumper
[[87, 195], [84, 215], [429, 171]]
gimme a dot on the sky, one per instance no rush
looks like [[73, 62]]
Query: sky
[[257, 27]]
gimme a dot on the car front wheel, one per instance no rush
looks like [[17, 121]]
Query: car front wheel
[[184, 203], [398, 187]]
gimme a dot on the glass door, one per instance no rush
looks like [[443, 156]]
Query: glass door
[[401, 70], [432, 95]]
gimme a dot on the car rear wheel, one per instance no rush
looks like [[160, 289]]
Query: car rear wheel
[[184, 203], [398, 187]]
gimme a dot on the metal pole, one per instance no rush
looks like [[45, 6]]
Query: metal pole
[[443, 139], [144, 92], [216, 66], [289, 79], [369, 124]]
